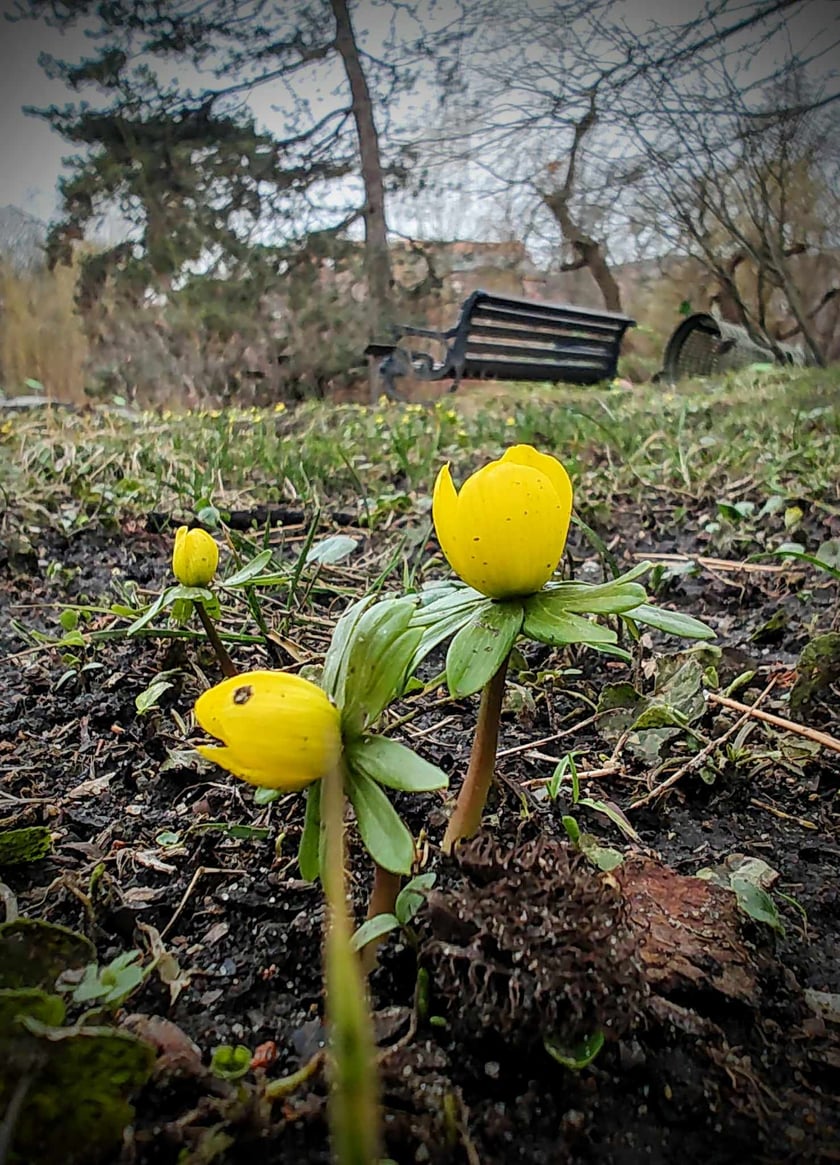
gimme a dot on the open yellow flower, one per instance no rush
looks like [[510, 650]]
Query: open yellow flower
[[504, 533], [277, 730], [195, 557]]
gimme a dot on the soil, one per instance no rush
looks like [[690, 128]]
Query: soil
[[717, 1047]]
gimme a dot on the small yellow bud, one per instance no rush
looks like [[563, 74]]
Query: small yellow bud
[[195, 557]]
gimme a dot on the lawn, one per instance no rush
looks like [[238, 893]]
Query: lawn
[[719, 995]]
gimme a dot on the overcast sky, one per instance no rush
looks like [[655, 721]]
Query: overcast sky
[[31, 153]]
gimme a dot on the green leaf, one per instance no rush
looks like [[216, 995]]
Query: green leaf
[[250, 570], [671, 622], [604, 599], [546, 624], [613, 813], [149, 697], [163, 600], [756, 902], [481, 647], [335, 661], [660, 716], [309, 859], [572, 829], [378, 654], [333, 549], [412, 896], [577, 1057], [373, 929], [265, 796], [443, 629], [394, 765], [618, 594], [384, 834], [230, 1063]]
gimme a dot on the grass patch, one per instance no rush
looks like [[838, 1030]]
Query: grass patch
[[753, 434]]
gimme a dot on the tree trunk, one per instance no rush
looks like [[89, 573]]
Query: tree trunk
[[377, 255], [591, 252]]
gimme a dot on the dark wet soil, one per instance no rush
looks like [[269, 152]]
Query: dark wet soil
[[717, 1048]]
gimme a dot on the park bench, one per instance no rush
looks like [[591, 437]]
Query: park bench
[[503, 337]]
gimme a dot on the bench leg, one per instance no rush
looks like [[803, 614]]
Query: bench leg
[[389, 370]]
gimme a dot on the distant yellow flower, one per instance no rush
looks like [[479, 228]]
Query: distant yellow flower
[[504, 533], [195, 557], [277, 730]]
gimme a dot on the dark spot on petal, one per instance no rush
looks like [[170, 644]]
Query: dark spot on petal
[[243, 695]]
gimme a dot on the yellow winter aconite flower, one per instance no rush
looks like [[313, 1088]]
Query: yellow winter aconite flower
[[504, 533], [277, 730], [195, 557]]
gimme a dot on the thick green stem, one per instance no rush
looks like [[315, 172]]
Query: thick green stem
[[354, 1100], [466, 816], [225, 662], [383, 900]]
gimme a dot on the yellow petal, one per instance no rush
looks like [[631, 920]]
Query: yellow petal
[[517, 529], [225, 759], [454, 542], [553, 469], [278, 730]]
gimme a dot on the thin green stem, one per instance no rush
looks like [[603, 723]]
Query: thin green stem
[[225, 662], [354, 1101], [466, 816]]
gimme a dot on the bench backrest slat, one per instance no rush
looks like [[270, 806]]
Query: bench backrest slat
[[526, 348]]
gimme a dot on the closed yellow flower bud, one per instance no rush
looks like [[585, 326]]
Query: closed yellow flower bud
[[277, 730], [195, 557], [504, 533]]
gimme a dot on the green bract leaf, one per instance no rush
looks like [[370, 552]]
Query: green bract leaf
[[384, 834], [393, 765], [547, 623], [309, 859], [412, 896], [249, 570], [335, 661], [378, 653], [373, 929], [605, 599], [671, 622], [481, 647], [160, 602]]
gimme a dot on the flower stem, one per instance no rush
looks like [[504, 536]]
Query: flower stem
[[225, 662], [383, 899], [353, 1105], [466, 816]]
